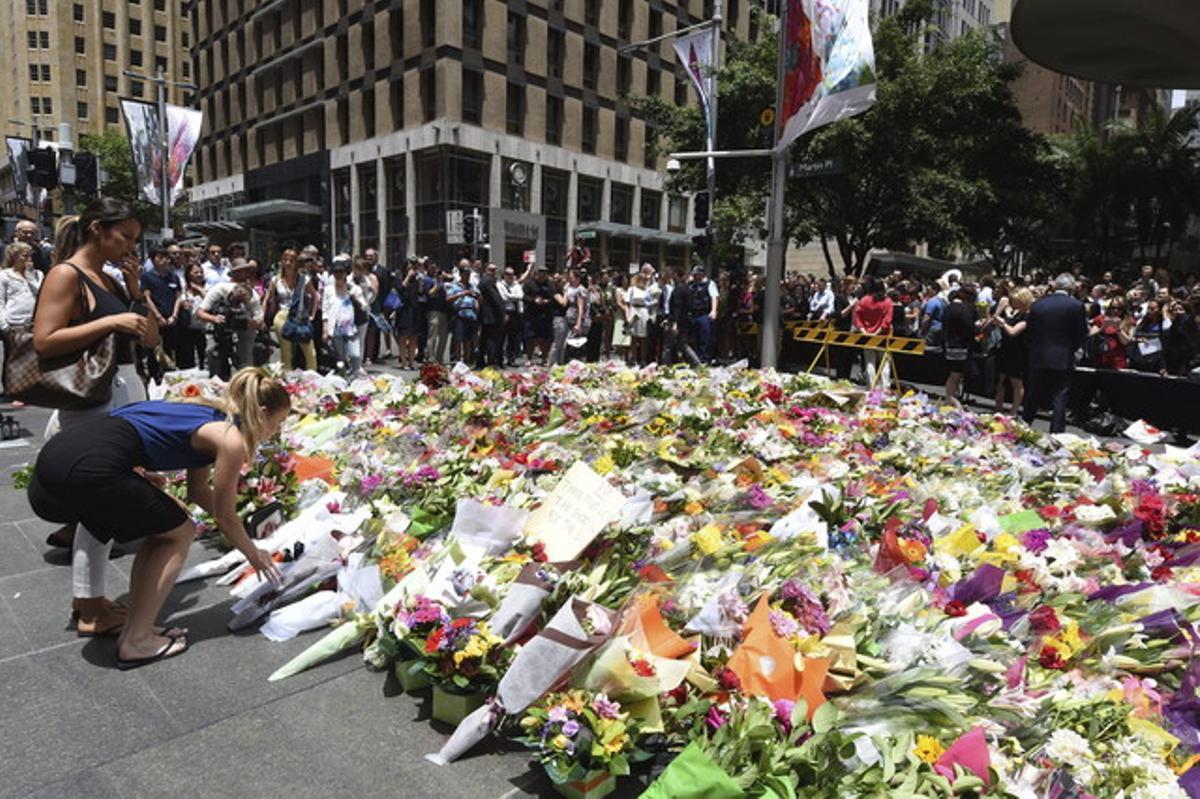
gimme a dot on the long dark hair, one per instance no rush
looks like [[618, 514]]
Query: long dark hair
[[72, 232]]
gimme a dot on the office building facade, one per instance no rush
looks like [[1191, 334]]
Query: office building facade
[[356, 124]]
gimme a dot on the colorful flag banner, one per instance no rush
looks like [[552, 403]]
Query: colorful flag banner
[[18, 159], [696, 54], [828, 64], [145, 143]]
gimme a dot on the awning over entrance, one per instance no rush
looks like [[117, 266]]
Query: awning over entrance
[[211, 228], [274, 213], [1130, 42], [633, 232]]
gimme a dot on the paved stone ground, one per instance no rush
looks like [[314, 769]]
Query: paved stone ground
[[207, 723]]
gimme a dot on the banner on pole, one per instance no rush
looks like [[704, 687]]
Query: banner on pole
[[145, 144], [696, 54], [18, 158], [828, 64], [183, 125]]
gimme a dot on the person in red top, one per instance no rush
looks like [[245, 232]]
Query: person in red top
[[1115, 329], [873, 314]]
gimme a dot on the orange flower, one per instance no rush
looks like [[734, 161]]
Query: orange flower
[[912, 551], [191, 390]]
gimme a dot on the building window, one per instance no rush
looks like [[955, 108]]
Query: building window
[[187, 69], [80, 45], [620, 209], [33, 71], [555, 48], [160, 33], [109, 20], [591, 65], [44, 39], [429, 93], [110, 116], [160, 64], [368, 111], [35, 106], [397, 211], [515, 109], [110, 83], [135, 27], [624, 74], [651, 211], [473, 24], [590, 123], [32, 40], [368, 206], [554, 120], [160, 5], [136, 88], [513, 195], [81, 77], [681, 86], [343, 232], [110, 52], [621, 139], [677, 214], [516, 38], [186, 40], [655, 26], [77, 12], [31, 7], [591, 12], [555, 187], [588, 194], [428, 23], [472, 96], [732, 12], [81, 110], [47, 107], [135, 58], [653, 81], [650, 146], [45, 71], [624, 18]]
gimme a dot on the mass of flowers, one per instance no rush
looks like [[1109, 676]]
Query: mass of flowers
[[801, 589]]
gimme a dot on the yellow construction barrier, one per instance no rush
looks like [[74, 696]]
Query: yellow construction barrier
[[824, 334]]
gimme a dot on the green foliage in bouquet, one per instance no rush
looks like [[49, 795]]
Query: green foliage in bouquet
[[462, 656]]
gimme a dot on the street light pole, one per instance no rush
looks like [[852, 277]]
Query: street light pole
[[711, 138], [776, 239]]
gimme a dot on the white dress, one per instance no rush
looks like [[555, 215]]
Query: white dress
[[638, 300]]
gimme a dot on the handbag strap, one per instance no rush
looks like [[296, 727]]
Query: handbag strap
[[296, 306]]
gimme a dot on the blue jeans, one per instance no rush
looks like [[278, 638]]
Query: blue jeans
[[348, 353], [702, 331]]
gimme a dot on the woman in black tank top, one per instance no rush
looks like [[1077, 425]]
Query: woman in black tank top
[[78, 305]]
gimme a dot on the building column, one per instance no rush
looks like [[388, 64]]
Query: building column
[[352, 245], [535, 189], [410, 202], [572, 205], [382, 190]]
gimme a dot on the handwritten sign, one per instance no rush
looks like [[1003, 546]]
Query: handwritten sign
[[574, 513]]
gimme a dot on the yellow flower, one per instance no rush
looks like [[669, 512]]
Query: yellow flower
[[708, 538], [459, 657], [530, 723], [616, 744], [559, 741], [928, 749], [692, 508], [603, 465], [573, 701], [1068, 641]]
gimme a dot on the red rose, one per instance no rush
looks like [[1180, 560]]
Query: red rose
[[1050, 659], [954, 609], [1044, 620], [1161, 573], [728, 680]]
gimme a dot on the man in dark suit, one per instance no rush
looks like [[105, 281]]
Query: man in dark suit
[[491, 320], [1056, 328]]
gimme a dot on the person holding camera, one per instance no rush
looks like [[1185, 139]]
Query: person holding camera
[[343, 311], [235, 313]]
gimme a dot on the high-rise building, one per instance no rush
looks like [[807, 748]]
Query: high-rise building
[[65, 62], [356, 124], [1049, 102], [951, 18]]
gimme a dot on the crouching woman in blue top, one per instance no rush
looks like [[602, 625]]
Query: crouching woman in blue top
[[96, 474]]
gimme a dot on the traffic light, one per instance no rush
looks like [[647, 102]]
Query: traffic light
[[469, 228], [85, 174], [43, 168], [701, 245], [700, 210]]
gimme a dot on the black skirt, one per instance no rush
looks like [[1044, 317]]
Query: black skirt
[[86, 475]]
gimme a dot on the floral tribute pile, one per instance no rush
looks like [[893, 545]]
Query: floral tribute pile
[[742, 583]]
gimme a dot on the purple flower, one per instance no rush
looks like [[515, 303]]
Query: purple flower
[[571, 728], [783, 712], [715, 718], [1036, 540], [605, 708], [785, 626], [557, 715], [371, 482], [757, 498]]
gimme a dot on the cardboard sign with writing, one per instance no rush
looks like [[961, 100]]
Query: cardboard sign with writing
[[574, 513]]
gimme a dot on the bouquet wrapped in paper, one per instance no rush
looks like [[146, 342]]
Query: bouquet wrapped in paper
[[572, 634]]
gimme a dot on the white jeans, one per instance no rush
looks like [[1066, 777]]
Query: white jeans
[[89, 556]]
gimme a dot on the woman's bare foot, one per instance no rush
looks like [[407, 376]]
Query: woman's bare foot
[[97, 616]]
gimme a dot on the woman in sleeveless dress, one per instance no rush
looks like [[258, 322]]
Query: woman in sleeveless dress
[[77, 306]]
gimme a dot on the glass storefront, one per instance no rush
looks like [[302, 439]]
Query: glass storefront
[[343, 220], [555, 190], [448, 179], [396, 248], [368, 207]]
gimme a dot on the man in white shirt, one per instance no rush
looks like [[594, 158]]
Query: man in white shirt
[[216, 268], [820, 306], [232, 307]]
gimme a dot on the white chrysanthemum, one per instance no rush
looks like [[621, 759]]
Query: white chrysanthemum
[[1063, 555], [1068, 746]]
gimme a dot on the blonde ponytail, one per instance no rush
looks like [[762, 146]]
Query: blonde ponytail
[[251, 397]]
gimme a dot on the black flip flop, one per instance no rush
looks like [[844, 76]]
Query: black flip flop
[[163, 654]]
